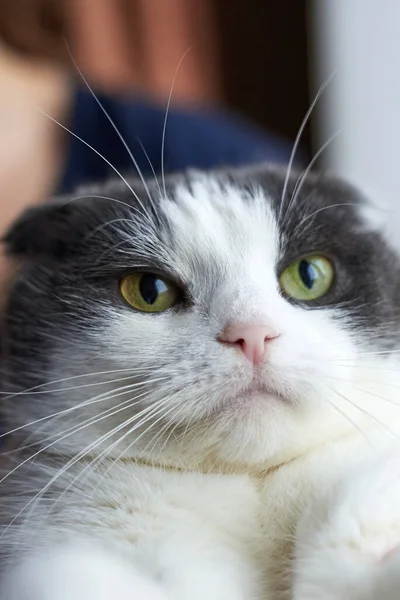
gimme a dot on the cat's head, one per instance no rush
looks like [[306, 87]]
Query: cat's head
[[204, 319]]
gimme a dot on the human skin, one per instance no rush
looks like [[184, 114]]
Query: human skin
[[31, 148]]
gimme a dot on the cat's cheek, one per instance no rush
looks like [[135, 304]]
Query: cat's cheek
[[313, 340]]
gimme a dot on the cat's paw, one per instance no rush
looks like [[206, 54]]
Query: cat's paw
[[356, 581], [349, 543], [77, 574], [206, 583], [386, 585]]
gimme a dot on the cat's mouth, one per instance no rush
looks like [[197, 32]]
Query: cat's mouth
[[258, 390]]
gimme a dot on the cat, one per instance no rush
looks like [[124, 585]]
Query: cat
[[201, 379]]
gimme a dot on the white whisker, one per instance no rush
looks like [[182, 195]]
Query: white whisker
[[299, 183], [347, 418], [316, 212], [151, 166], [105, 396], [297, 140], [70, 463], [120, 137], [367, 414], [130, 431], [166, 118], [133, 370], [148, 412], [80, 427], [123, 179]]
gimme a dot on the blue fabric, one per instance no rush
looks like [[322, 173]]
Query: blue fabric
[[193, 139]]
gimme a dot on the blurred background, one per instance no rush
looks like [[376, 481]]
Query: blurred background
[[250, 56], [262, 59]]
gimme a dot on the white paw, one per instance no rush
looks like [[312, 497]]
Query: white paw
[[386, 585], [211, 581], [206, 590], [349, 542], [72, 573]]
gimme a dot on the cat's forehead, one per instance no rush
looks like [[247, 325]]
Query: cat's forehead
[[237, 218], [221, 222]]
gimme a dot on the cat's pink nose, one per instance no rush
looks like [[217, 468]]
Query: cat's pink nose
[[252, 338]]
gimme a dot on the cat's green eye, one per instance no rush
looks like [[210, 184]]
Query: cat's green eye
[[308, 279], [147, 292]]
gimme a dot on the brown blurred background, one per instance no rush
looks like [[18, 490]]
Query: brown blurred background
[[247, 55]]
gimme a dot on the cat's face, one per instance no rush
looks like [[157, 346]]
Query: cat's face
[[225, 323]]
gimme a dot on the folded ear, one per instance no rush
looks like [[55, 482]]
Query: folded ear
[[56, 229], [40, 230]]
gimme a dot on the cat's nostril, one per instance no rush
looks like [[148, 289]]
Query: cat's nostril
[[251, 338]]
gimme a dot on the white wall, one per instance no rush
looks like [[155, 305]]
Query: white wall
[[360, 40]]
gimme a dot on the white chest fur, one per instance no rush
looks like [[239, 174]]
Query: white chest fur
[[239, 526], [181, 535]]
